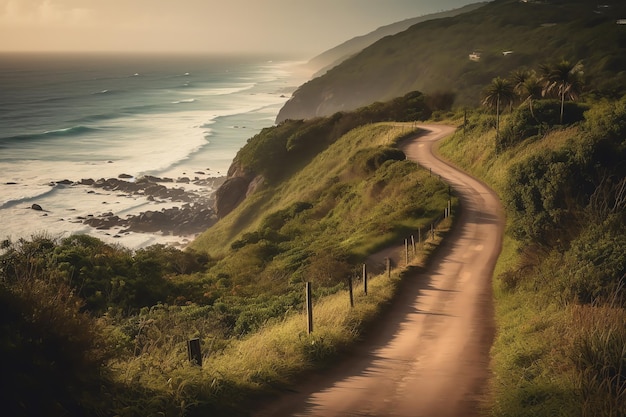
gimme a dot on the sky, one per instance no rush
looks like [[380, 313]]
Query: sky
[[297, 27]]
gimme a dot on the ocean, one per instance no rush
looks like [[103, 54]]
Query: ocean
[[65, 119]]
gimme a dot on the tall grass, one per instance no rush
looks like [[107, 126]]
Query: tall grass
[[598, 352]]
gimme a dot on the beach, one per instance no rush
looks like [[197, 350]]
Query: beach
[[127, 149]]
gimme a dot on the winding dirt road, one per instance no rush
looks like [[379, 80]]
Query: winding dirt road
[[430, 355]]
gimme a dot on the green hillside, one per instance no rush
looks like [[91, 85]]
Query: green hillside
[[433, 56], [334, 56]]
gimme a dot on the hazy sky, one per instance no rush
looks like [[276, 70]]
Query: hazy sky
[[305, 27]]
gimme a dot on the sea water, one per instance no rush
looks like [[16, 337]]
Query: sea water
[[64, 118]]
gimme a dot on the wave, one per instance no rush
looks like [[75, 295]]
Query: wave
[[222, 91], [70, 131], [105, 91], [66, 132], [189, 100], [37, 195], [98, 118]]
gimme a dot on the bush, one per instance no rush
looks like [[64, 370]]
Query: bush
[[594, 268], [523, 123], [537, 195], [53, 354], [366, 161]]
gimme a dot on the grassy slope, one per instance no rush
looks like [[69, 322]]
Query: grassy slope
[[542, 333], [331, 167]]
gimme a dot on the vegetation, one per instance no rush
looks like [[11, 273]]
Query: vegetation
[[560, 281], [433, 56], [497, 95], [103, 330]]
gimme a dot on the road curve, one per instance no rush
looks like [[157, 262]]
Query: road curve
[[430, 355]]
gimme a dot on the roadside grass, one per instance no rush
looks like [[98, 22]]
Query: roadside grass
[[241, 373], [552, 356]]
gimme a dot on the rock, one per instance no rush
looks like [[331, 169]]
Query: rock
[[64, 182], [36, 207], [256, 183], [230, 195], [10, 183], [124, 176]]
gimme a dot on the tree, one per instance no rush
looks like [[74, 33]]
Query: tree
[[500, 92], [530, 90], [564, 79], [518, 77]]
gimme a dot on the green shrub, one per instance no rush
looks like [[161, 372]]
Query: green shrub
[[523, 123], [367, 161], [537, 195], [53, 354], [594, 267]]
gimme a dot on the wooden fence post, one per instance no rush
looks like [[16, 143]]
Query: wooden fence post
[[388, 260], [309, 308], [406, 251], [365, 279], [194, 352], [351, 292], [413, 244]]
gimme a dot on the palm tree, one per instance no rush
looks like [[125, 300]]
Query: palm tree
[[530, 90], [518, 78], [566, 80], [498, 93]]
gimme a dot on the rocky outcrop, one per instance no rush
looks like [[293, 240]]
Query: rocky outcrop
[[238, 185], [189, 219], [194, 216], [230, 195]]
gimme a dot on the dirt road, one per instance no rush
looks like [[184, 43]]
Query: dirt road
[[430, 355]]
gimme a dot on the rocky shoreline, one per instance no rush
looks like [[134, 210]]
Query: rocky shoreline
[[195, 214]]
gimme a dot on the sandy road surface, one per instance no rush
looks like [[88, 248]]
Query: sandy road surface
[[430, 355]]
